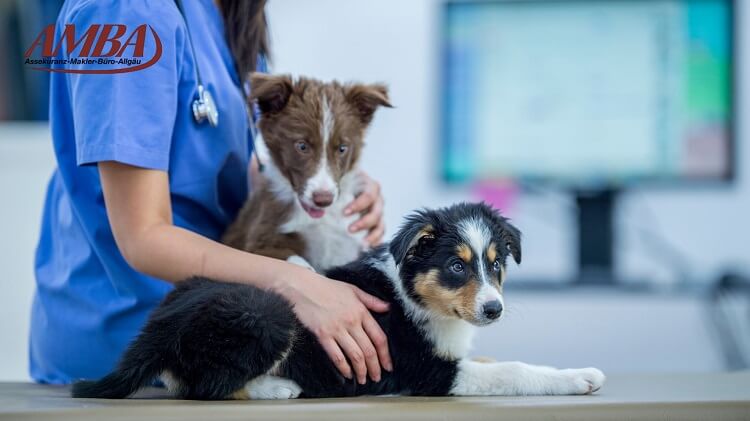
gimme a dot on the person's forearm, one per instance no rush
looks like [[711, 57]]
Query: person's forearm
[[174, 254]]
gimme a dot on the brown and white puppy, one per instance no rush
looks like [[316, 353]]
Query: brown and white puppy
[[314, 135]]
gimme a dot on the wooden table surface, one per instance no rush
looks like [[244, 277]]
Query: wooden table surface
[[712, 397]]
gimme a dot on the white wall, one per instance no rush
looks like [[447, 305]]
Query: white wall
[[26, 162]]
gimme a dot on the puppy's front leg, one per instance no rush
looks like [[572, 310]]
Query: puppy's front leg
[[516, 378]]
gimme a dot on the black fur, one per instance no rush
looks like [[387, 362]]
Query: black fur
[[215, 337], [445, 220], [436, 250], [211, 335], [416, 369]]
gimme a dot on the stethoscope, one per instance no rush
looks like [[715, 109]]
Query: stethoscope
[[203, 106]]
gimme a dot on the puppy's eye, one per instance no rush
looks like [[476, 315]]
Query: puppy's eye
[[457, 267], [343, 148], [302, 146], [496, 265]]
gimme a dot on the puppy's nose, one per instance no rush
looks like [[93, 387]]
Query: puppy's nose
[[322, 198], [492, 309]]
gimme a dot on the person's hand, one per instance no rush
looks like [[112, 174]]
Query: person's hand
[[370, 203], [337, 314]]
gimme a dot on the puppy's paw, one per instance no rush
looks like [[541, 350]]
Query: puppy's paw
[[582, 381], [290, 391], [272, 387]]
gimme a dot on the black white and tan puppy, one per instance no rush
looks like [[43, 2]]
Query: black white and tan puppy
[[314, 135], [443, 274]]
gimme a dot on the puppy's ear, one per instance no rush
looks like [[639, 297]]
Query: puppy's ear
[[271, 92], [512, 238], [416, 237], [366, 99]]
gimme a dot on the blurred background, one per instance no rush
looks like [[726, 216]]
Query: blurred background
[[612, 132]]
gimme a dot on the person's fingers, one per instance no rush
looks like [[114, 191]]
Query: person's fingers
[[379, 340], [369, 220], [370, 193], [363, 201], [375, 237], [370, 301], [337, 356], [368, 351], [355, 355]]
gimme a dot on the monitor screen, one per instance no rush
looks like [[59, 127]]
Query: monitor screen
[[587, 92]]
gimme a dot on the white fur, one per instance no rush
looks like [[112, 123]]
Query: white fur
[[452, 340], [516, 378], [328, 238], [327, 126], [322, 179], [478, 236], [272, 387], [300, 261], [329, 242], [170, 382], [487, 293]]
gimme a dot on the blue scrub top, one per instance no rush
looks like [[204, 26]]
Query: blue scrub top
[[89, 303]]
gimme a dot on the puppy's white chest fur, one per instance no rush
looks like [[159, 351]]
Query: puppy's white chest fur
[[328, 240]]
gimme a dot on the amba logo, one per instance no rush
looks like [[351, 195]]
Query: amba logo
[[99, 45]]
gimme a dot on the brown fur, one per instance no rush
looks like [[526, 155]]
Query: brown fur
[[446, 301], [464, 252], [256, 227], [291, 114], [491, 253]]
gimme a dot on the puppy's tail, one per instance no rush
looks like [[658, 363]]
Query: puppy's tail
[[132, 374]]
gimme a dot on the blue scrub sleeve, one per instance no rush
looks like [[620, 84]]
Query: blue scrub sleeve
[[130, 117]]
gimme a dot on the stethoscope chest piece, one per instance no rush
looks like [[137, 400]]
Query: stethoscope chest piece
[[204, 107]]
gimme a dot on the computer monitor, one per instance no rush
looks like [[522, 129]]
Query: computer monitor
[[590, 95]]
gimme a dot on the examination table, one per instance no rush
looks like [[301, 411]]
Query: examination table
[[711, 397]]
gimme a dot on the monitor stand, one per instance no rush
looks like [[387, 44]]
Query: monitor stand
[[595, 236]]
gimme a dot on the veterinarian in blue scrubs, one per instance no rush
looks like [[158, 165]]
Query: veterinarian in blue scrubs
[[142, 192]]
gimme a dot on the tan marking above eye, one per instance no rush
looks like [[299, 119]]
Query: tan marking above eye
[[491, 252], [427, 231], [464, 252], [447, 301]]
